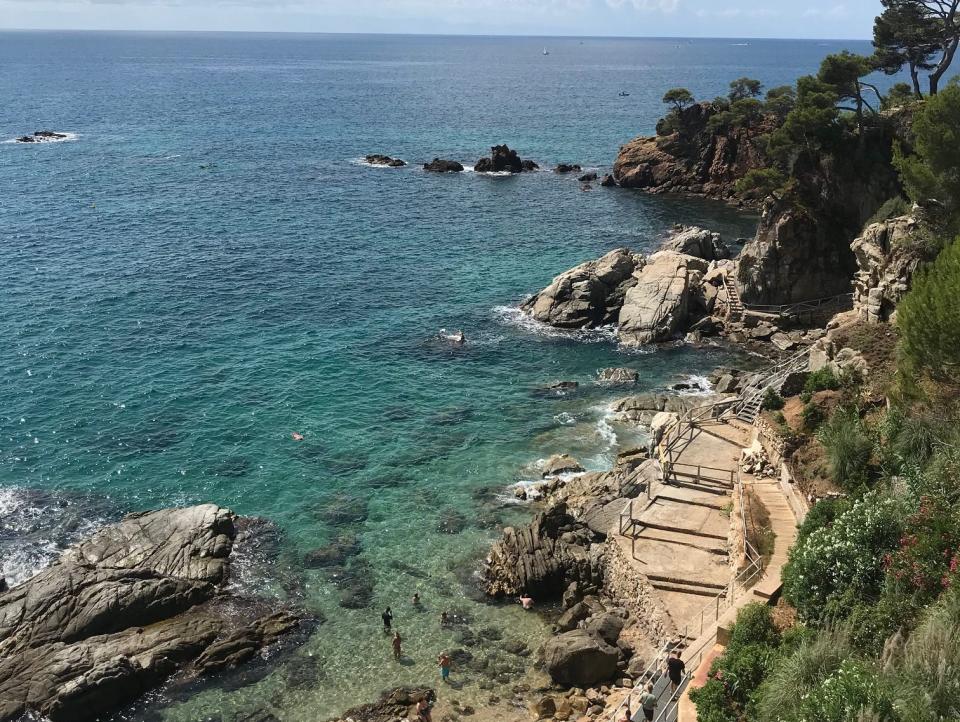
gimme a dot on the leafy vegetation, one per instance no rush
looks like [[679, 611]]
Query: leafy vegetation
[[679, 98], [922, 35]]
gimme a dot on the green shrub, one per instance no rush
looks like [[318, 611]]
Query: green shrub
[[822, 380], [834, 566], [849, 447], [929, 320], [772, 401], [893, 208], [853, 689], [821, 515], [812, 416], [760, 181], [754, 626]]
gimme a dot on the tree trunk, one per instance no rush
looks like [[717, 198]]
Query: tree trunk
[[949, 49], [915, 77]]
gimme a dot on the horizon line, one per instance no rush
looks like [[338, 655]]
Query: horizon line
[[427, 34]]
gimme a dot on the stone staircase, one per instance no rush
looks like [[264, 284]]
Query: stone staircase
[[752, 396], [734, 304]]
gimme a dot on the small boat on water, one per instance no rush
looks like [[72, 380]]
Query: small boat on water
[[546, 52], [623, 95]]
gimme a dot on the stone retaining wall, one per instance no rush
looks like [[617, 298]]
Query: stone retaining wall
[[633, 591]]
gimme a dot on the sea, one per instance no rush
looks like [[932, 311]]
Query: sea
[[206, 266]]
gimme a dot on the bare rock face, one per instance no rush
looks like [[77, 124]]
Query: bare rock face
[[561, 464], [698, 242], [119, 613], [659, 304], [794, 257], [886, 262], [534, 559], [438, 165], [588, 295], [393, 705]]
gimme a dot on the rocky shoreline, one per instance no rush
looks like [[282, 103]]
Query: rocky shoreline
[[139, 604]]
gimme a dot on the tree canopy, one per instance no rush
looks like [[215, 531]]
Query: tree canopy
[[679, 98], [845, 72], [921, 34], [744, 88]]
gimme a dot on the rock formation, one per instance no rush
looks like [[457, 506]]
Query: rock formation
[[379, 159], [659, 304], [699, 242], [886, 261], [580, 658], [690, 157], [122, 611], [536, 560], [567, 168], [504, 160], [443, 166], [588, 295], [41, 136]]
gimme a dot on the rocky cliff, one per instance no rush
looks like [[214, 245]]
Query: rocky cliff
[[887, 257], [123, 611], [691, 158]]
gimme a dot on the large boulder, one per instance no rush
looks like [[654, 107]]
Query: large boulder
[[504, 160], [380, 159], [698, 242], [659, 305], [580, 658], [122, 611], [588, 295], [560, 464]]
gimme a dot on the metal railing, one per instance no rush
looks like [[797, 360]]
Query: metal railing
[[800, 307], [648, 674]]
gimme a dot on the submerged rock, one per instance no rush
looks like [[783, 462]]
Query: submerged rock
[[122, 611], [399, 703], [588, 177], [615, 376], [379, 159], [561, 464]]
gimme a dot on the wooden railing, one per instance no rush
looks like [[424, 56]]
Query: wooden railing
[[801, 307]]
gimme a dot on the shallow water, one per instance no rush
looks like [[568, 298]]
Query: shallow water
[[207, 268]]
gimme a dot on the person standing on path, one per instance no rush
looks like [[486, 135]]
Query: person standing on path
[[444, 661], [675, 670], [387, 618], [648, 702], [396, 645]]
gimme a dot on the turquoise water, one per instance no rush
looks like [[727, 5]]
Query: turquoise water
[[207, 268]]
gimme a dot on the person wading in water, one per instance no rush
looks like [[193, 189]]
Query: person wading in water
[[396, 645], [387, 618]]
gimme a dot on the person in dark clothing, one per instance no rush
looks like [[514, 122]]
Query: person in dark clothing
[[675, 670], [387, 618]]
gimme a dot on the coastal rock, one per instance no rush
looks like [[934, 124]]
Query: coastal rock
[[659, 304], [534, 559], [580, 659], [886, 261], [561, 464], [614, 376], [336, 553], [379, 159], [588, 177], [40, 136], [504, 160], [660, 423], [567, 168], [687, 155], [438, 165], [394, 705], [122, 611], [698, 242], [588, 295], [608, 181]]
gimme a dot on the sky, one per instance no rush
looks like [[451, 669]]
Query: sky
[[822, 19]]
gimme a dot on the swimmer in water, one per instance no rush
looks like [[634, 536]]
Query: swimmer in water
[[457, 339], [296, 436]]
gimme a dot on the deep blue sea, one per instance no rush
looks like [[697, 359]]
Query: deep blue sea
[[207, 266]]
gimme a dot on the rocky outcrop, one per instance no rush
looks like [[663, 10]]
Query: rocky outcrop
[[618, 376], [393, 705], [886, 261], [567, 168], [504, 160], [122, 611], [539, 559], [687, 156], [438, 165], [588, 295], [379, 159], [698, 242], [560, 464], [42, 136], [659, 304]]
